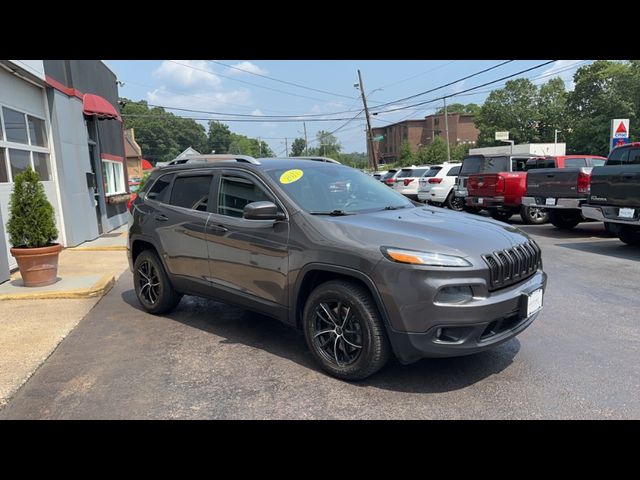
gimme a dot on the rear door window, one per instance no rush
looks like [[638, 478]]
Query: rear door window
[[405, 173], [575, 162], [518, 165], [432, 172], [453, 171], [634, 156], [619, 156], [191, 192]]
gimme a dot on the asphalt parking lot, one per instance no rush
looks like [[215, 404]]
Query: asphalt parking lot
[[579, 359]]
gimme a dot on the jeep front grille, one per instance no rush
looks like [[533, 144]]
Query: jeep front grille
[[513, 265]]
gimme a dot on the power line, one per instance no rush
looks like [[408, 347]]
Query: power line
[[275, 120], [444, 86], [215, 74], [281, 81], [418, 75], [299, 117], [468, 89]]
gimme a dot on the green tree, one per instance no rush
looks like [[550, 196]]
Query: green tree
[[513, 109], [460, 108], [160, 134], [552, 110], [405, 154], [436, 151], [459, 151], [328, 144], [604, 90], [297, 147], [31, 218], [355, 159], [218, 138]]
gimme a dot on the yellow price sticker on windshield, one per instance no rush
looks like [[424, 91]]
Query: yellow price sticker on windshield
[[291, 176]]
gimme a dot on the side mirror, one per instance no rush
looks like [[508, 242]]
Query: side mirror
[[262, 211]]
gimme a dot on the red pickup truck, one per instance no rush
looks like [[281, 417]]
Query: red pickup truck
[[501, 192]]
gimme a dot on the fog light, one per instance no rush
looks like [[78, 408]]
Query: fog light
[[454, 294]]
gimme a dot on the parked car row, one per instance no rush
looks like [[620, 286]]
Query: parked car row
[[565, 190], [426, 183]]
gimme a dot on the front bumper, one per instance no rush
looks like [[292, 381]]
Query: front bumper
[[419, 327], [608, 214], [560, 203]]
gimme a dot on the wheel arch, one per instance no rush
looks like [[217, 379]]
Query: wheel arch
[[316, 274]]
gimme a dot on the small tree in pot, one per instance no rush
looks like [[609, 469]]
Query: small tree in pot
[[32, 231]]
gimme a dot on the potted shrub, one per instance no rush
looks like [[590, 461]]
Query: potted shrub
[[32, 231]]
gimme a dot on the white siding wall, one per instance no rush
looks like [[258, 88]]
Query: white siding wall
[[25, 97]]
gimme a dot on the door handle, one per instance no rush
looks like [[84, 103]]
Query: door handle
[[219, 229], [161, 218]]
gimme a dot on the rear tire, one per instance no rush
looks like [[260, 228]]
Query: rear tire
[[534, 215], [500, 215], [629, 235], [153, 288], [469, 209], [454, 203], [564, 220], [344, 331]]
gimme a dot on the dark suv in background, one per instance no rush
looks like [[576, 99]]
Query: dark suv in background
[[363, 271]]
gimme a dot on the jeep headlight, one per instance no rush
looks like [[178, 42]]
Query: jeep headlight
[[430, 259]]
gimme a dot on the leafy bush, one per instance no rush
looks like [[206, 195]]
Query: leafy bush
[[31, 218]]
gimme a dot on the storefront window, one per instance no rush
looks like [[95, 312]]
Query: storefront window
[[37, 132], [27, 130], [15, 125], [19, 160], [113, 177], [4, 176], [41, 165]]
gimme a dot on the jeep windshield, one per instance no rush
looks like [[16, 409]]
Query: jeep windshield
[[336, 190]]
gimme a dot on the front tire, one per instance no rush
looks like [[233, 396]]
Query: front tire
[[564, 220], [153, 288], [534, 215], [344, 331]]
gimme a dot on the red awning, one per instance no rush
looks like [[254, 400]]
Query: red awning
[[146, 164], [98, 106]]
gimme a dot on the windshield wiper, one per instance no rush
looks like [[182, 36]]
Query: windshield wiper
[[392, 207], [333, 213]]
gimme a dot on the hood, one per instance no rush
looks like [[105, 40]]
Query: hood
[[429, 229]]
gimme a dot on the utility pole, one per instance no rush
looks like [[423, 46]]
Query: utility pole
[[372, 153], [306, 144], [286, 146], [446, 128], [555, 141], [259, 147]]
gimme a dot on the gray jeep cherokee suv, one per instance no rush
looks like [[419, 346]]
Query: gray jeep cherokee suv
[[363, 271]]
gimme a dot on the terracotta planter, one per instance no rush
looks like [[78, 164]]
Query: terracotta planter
[[38, 266]]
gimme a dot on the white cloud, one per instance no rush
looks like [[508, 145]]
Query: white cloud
[[194, 75], [216, 101], [248, 67], [257, 111]]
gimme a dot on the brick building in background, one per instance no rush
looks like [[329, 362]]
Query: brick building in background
[[462, 129]]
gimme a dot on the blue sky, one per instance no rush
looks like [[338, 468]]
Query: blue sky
[[210, 86]]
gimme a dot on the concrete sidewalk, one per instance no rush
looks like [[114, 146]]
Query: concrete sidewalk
[[33, 321]]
